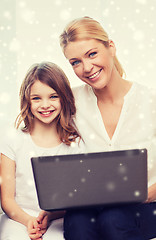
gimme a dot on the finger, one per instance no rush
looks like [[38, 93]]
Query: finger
[[41, 216], [34, 230], [35, 236], [43, 231], [30, 226], [36, 224]]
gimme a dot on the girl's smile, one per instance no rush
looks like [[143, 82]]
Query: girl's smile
[[46, 113], [45, 103]]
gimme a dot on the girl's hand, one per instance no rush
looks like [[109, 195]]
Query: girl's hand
[[34, 231], [43, 221], [151, 193]]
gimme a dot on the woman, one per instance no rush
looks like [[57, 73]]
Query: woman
[[112, 114]]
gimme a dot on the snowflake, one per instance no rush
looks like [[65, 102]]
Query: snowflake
[[7, 14], [58, 2], [65, 14], [15, 45], [136, 193], [4, 98], [70, 194], [83, 180], [138, 35], [105, 12], [28, 16], [142, 1], [92, 220]]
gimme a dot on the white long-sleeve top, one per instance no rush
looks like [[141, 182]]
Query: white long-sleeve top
[[136, 127]]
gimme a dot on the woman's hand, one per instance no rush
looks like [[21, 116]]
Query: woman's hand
[[151, 193]]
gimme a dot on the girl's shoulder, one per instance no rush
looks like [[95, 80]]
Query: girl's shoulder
[[13, 140], [75, 148], [14, 136], [82, 90]]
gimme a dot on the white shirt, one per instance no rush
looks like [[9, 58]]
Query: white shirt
[[20, 147], [136, 127]]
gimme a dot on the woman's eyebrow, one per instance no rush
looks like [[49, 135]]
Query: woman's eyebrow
[[90, 50]]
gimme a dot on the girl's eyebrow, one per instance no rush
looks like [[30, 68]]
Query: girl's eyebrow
[[34, 95]]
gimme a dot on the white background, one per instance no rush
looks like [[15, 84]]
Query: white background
[[30, 29]]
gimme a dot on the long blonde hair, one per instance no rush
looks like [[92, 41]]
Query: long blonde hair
[[87, 28]]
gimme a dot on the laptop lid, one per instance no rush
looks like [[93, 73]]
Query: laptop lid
[[93, 179]]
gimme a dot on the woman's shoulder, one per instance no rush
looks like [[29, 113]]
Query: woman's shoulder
[[145, 95], [145, 89]]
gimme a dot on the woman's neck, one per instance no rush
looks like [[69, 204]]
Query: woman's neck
[[45, 135], [115, 90]]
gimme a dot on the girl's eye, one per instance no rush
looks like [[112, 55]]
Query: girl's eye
[[54, 96], [35, 98], [75, 63], [92, 54]]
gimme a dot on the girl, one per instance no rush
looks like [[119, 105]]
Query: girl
[[47, 111], [117, 115]]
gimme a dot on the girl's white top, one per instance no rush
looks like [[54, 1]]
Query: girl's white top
[[136, 127], [20, 147]]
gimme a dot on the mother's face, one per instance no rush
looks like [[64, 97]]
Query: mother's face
[[92, 62]]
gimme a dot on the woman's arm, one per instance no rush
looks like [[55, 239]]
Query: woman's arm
[[9, 205]]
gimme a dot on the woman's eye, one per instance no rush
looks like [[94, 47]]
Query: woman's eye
[[75, 63], [92, 54]]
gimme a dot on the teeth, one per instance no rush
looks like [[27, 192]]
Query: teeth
[[45, 113], [94, 75]]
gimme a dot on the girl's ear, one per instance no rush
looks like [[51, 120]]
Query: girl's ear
[[112, 48]]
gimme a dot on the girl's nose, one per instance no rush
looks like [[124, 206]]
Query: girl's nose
[[45, 104]]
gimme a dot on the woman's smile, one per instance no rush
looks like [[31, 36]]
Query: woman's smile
[[95, 75], [92, 62]]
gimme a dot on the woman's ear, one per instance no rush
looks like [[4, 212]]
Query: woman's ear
[[112, 48]]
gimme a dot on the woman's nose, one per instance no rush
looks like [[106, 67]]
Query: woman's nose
[[87, 66]]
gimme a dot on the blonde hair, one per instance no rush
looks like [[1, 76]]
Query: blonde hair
[[87, 28], [53, 76]]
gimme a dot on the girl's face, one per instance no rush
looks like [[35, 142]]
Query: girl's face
[[92, 61], [45, 103]]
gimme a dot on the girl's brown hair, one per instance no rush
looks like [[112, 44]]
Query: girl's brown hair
[[50, 74], [86, 28]]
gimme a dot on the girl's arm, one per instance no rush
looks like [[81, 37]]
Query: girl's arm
[[9, 205], [44, 218], [151, 193]]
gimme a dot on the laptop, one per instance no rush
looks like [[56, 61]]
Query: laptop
[[87, 180]]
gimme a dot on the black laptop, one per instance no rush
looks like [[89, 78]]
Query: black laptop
[[93, 179]]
